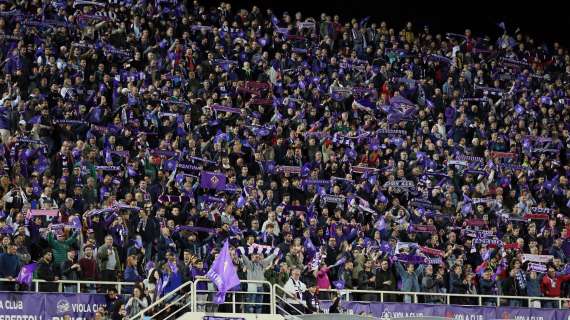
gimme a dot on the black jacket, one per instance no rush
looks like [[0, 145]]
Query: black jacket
[[383, 276], [47, 271]]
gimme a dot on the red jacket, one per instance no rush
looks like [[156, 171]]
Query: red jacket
[[551, 286]]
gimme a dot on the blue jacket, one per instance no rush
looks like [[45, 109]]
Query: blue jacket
[[410, 282], [533, 287], [174, 281], [9, 265]]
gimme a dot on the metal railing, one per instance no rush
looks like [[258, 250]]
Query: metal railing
[[78, 284], [283, 302], [172, 299], [244, 295], [444, 298], [181, 300]]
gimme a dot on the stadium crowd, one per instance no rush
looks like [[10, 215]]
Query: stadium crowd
[[136, 137]]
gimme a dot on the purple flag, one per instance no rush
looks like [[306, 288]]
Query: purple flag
[[26, 274], [223, 274], [212, 180]]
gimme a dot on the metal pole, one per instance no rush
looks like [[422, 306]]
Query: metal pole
[[233, 302]]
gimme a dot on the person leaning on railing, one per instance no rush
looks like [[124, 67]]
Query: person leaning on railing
[[9, 267], [108, 261], [432, 282], [386, 280], [409, 278], [70, 270], [46, 270], [551, 286]]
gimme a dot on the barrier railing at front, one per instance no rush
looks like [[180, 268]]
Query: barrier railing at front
[[240, 301], [75, 286], [173, 303], [443, 298]]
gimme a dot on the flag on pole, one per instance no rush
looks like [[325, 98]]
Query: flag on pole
[[223, 274]]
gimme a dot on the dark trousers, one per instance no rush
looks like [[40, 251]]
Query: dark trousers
[[108, 275]]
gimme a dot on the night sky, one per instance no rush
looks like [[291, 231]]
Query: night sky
[[546, 23]]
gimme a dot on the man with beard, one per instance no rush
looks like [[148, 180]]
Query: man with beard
[[47, 271], [386, 280]]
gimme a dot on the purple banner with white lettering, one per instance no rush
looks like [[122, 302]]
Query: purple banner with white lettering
[[455, 312], [28, 306], [49, 306], [77, 305]]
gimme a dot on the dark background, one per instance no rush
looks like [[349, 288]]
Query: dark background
[[546, 21]]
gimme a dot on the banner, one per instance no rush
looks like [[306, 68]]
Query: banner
[[40, 212], [453, 312], [536, 258], [212, 180], [76, 305], [39, 306], [26, 305]]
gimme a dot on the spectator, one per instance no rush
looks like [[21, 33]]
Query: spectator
[[277, 276], [60, 245], [10, 266], [47, 271], [367, 281], [119, 126], [136, 303], [88, 267], [150, 284], [199, 273], [311, 299], [551, 286], [432, 283], [255, 271], [533, 289], [131, 272], [488, 286], [71, 270], [386, 280], [511, 287], [108, 262], [409, 277], [294, 290]]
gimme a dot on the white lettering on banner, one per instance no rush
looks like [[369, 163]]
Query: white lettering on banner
[[12, 304], [82, 308], [72, 318], [468, 317], [216, 279], [529, 318], [20, 317], [392, 314]]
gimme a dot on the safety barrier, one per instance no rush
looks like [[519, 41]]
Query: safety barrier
[[79, 285], [444, 298], [173, 303], [240, 301], [262, 297]]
